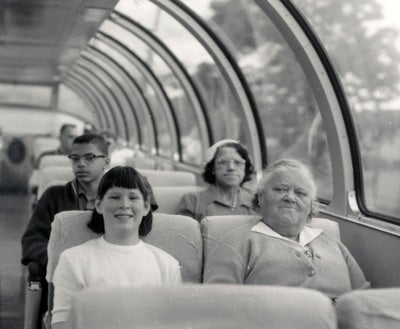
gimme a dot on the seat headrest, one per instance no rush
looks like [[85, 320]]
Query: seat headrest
[[49, 174], [178, 235], [43, 144], [54, 160], [169, 177], [200, 307], [374, 308], [168, 197]]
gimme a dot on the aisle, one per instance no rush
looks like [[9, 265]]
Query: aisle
[[14, 214]]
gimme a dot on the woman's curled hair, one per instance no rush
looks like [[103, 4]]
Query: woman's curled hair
[[125, 177]]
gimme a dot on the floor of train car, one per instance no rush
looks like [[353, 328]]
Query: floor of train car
[[14, 213]]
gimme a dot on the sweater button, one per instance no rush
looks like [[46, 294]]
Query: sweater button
[[311, 272]]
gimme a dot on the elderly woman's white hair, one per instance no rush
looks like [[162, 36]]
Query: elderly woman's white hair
[[298, 166]]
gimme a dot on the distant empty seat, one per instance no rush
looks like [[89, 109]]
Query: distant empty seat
[[141, 161], [33, 182], [214, 228], [168, 197], [53, 174], [169, 177], [369, 309], [55, 160], [201, 307], [178, 235], [43, 144]]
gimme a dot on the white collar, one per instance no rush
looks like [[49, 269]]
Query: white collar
[[307, 235]]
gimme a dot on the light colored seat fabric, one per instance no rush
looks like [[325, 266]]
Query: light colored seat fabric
[[202, 307], [49, 174], [54, 161], [169, 178], [168, 197], [141, 161], [214, 228], [33, 182], [43, 144], [369, 309], [178, 235]]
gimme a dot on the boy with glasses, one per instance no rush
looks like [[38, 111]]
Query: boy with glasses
[[89, 158]]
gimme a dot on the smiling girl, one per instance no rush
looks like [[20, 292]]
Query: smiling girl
[[119, 257]]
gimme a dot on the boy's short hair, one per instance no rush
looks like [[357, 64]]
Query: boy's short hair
[[93, 139]]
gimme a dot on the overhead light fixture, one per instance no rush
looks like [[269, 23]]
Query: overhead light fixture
[[94, 15]]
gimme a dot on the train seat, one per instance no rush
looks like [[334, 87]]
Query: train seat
[[51, 174], [141, 161], [54, 160], [201, 307], [369, 309], [33, 182], [169, 177], [178, 235], [168, 197], [213, 228], [44, 143]]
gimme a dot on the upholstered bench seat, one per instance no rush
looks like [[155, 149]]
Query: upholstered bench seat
[[202, 307]]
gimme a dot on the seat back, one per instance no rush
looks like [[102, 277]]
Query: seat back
[[169, 177], [369, 309], [33, 182], [168, 197], [54, 160], [141, 161], [214, 228], [43, 144], [201, 307], [50, 174], [178, 235]]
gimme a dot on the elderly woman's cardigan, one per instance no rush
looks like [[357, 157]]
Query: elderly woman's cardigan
[[249, 257]]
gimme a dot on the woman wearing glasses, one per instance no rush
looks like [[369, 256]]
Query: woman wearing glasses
[[228, 166]]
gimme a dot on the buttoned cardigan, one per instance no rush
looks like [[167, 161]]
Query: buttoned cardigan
[[247, 256]]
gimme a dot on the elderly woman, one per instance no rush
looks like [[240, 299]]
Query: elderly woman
[[228, 166], [119, 257], [280, 249]]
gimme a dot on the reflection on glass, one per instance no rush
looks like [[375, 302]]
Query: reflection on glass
[[126, 83], [362, 38], [288, 110], [223, 109], [69, 101], [184, 111]]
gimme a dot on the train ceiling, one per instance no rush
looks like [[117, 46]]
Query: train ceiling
[[41, 38]]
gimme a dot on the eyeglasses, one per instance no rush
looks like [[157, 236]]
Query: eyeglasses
[[226, 163], [88, 158]]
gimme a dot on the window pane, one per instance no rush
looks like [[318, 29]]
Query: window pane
[[69, 101], [173, 88], [362, 38], [288, 110], [224, 111]]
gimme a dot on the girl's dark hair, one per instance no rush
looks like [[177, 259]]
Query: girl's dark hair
[[208, 174], [126, 177]]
